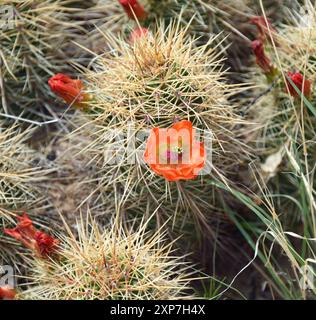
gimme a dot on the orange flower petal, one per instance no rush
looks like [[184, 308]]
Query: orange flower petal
[[35, 240], [192, 152]]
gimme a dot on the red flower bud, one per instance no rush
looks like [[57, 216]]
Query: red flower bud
[[262, 60], [262, 25], [37, 241], [24, 231], [46, 244], [68, 89], [137, 34], [7, 293], [134, 9], [298, 80]]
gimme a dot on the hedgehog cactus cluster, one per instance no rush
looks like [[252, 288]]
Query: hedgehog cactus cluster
[[201, 18], [18, 179], [133, 160], [159, 80], [17, 172], [285, 57], [28, 56], [112, 264], [38, 39]]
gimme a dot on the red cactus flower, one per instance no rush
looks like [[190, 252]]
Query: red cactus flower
[[134, 9], [7, 293], [262, 60], [298, 80], [24, 231], [46, 244], [262, 25], [173, 153], [37, 241], [68, 89], [137, 34]]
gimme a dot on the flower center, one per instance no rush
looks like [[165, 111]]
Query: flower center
[[173, 154]]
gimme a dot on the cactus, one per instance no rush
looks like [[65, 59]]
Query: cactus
[[160, 79], [17, 172], [110, 264], [18, 179], [284, 116], [202, 18], [26, 45], [36, 41], [280, 113]]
